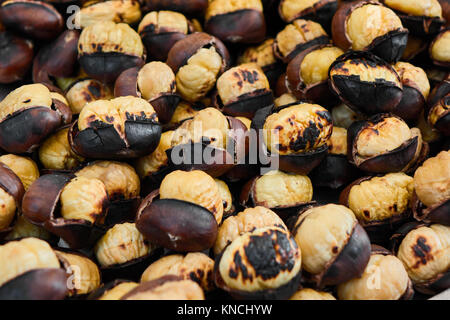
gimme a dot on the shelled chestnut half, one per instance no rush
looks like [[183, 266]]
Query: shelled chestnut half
[[16, 58], [369, 26], [262, 264], [432, 190], [384, 143], [365, 82], [321, 11], [182, 219], [335, 248], [28, 115], [124, 127], [154, 82], [106, 49], [243, 90], [239, 21]]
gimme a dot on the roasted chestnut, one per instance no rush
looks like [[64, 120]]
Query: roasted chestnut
[[166, 288], [113, 290], [262, 264], [439, 49], [311, 294], [281, 192], [321, 11], [335, 248], [307, 74], [245, 221], [106, 49], [154, 82], [420, 17], [297, 37], [28, 115], [82, 91], [124, 127], [31, 271], [414, 47], [243, 90], [343, 116], [284, 99], [437, 113], [195, 266], [239, 21], [183, 111], [126, 11], [369, 26], [298, 144], [416, 88], [23, 167], [36, 19], [227, 198], [160, 30], [197, 61], [425, 254], [70, 207], [16, 58], [384, 278], [365, 83], [431, 202], [188, 7], [380, 218], [182, 219], [384, 143]]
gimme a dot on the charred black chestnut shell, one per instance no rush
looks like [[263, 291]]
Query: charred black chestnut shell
[[334, 171], [40, 203], [164, 105], [411, 105], [247, 104], [439, 213], [175, 224], [16, 57]]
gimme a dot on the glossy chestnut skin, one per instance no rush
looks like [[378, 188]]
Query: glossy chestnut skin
[[36, 121], [188, 7], [361, 88], [36, 19], [241, 22], [405, 148], [440, 59], [258, 271], [388, 46], [16, 58], [321, 11]]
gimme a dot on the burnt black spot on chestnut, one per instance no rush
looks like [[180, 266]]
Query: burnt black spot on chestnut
[[421, 250], [309, 137]]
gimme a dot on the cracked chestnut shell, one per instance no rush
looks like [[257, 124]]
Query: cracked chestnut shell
[[124, 127], [35, 19], [243, 90], [28, 115], [187, 7], [195, 266], [240, 21], [166, 288], [365, 83], [182, 219], [210, 142], [84, 90], [335, 248], [262, 264], [245, 221], [106, 49], [17, 57], [154, 82], [297, 37], [381, 203], [438, 49], [384, 143], [425, 254], [421, 17], [416, 88], [160, 30], [431, 200], [307, 74], [281, 192], [369, 26], [197, 61], [321, 11], [72, 208], [31, 271], [301, 143], [384, 278]]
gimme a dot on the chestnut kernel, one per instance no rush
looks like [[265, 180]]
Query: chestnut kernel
[[321, 11], [83, 91], [311, 294], [439, 49]]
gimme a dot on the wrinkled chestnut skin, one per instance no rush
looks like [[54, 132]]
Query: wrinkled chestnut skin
[[36, 19], [177, 225], [16, 57], [188, 7], [364, 96]]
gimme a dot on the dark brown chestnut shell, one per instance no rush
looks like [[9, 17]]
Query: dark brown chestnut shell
[[16, 58], [411, 105], [36, 19], [334, 171], [247, 104], [40, 204], [439, 213], [164, 105], [191, 7], [175, 224]]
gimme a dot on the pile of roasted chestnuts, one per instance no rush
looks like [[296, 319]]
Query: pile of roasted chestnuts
[[217, 149]]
